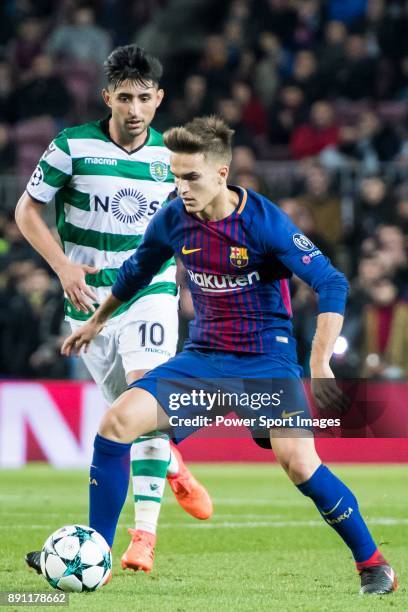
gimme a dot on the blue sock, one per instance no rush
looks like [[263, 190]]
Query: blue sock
[[108, 485], [339, 508]]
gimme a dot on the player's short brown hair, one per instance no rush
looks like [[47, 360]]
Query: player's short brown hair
[[208, 135]]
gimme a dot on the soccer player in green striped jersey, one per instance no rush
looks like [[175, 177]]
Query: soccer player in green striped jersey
[[108, 179]]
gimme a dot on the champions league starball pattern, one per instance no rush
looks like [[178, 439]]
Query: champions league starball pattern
[[76, 558]]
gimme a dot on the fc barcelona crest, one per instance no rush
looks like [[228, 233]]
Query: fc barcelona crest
[[239, 256]]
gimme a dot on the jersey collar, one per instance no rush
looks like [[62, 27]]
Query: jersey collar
[[104, 124], [243, 196]]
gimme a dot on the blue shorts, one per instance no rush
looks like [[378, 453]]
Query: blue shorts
[[264, 389]]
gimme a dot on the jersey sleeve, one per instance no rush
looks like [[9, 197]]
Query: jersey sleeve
[[54, 170], [138, 270], [285, 241]]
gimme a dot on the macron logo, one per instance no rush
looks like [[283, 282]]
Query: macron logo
[[101, 161], [222, 283]]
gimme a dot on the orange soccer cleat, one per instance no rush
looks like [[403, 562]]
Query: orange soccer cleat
[[140, 552], [190, 494]]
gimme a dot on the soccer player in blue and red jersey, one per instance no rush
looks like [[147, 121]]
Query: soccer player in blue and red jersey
[[239, 250]]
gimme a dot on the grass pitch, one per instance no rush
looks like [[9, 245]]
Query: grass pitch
[[265, 548]]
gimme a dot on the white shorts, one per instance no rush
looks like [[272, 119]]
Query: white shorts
[[142, 338]]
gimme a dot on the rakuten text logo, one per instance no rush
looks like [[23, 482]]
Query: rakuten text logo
[[222, 283]]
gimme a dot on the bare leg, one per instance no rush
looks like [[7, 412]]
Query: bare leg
[[135, 413], [296, 454]]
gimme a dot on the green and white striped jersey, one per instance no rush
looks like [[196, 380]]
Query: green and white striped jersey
[[105, 197]]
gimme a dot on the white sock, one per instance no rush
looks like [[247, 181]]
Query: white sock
[[173, 467], [147, 515], [150, 457]]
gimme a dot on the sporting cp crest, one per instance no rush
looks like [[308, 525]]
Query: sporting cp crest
[[159, 171], [239, 256]]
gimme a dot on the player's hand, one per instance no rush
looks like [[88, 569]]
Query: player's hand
[[72, 278], [81, 338], [327, 394]]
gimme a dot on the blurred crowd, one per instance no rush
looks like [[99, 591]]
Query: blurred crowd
[[317, 92]]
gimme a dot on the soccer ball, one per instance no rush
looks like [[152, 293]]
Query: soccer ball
[[76, 558]]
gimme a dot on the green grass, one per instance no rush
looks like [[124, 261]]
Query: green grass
[[265, 548]]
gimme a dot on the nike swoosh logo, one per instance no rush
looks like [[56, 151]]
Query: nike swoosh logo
[[287, 415], [185, 251], [334, 507], [154, 487], [389, 574]]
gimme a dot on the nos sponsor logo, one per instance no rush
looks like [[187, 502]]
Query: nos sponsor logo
[[127, 205]]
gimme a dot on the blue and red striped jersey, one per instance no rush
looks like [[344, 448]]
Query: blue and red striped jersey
[[238, 270]]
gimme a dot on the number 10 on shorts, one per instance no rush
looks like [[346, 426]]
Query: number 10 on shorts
[[151, 334]]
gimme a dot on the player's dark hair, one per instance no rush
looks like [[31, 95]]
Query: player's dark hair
[[207, 135], [133, 63]]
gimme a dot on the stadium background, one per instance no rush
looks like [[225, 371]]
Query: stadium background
[[317, 93]]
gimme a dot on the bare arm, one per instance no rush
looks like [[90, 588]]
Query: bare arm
[[329, 326], [82, 337], [72, 276], [326, 392]]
